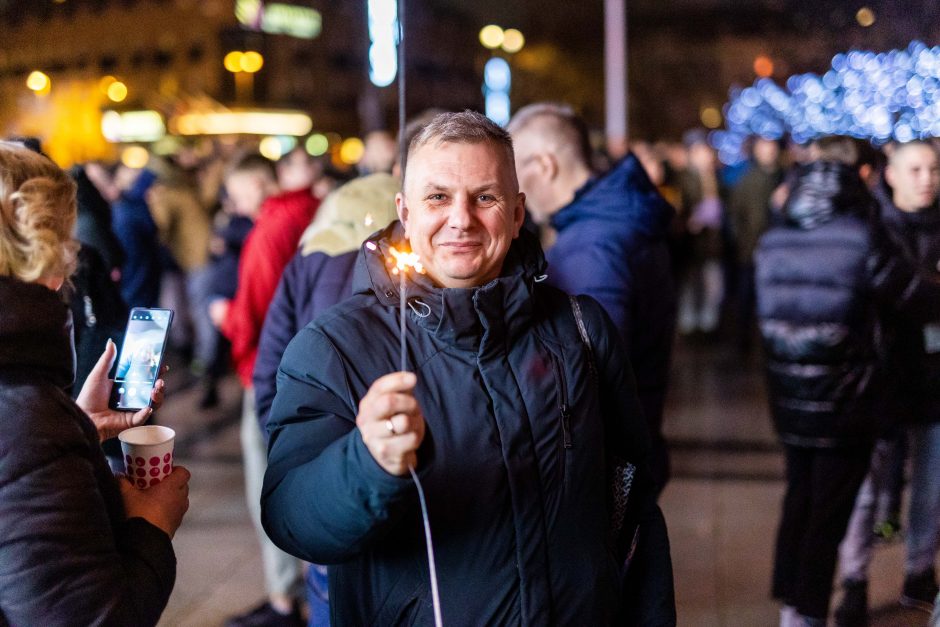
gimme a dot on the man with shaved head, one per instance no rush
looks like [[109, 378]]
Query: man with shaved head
[[611, 244]]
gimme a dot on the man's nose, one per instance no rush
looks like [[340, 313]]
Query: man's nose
[[461, 213]]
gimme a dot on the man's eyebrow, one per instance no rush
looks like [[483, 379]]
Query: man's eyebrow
[[492, 186]]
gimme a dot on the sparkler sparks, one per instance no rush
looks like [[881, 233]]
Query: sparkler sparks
[[401, 261]]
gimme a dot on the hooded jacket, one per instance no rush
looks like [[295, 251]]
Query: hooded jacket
[[513, 461], [823, 279], [67, 554], [915, 332], [612, 246]]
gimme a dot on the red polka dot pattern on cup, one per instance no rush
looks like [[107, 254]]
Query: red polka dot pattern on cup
[[139, 461], [167, 458], [155, 461], [141, 472], [154, 482], [166, 469], [141, 483], [129, 459]]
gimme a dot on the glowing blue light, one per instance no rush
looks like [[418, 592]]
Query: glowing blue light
[[497, 107], [384, 36], [497, 75], [894, 94]]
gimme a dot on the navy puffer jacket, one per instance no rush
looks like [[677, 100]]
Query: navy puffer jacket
[[68, 556], [823, 279], [612, 246], [513, 463]]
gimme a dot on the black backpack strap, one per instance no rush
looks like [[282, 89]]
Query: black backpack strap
[[624, 533]]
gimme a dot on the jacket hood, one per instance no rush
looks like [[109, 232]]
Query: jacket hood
[[459, 316], [624, 195], [824, 189], [35, 331], [350, 214]]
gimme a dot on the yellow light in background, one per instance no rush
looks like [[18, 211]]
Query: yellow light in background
[[251, 61], [117, 91], [105, 82], [233, 61], [270, 147], [317, 144], [135, 156], [763, 66], [38, 82], [865, 17], [351, 151], [513, 41], [243, 122], [711, 117], [491, 36]]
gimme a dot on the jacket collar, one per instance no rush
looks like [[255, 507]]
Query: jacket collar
[[464, 318], [35, 331], [624, 195], [824, 189], [927, 218]]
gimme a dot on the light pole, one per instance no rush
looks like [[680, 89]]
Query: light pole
[[616, 94], [244, 66], [497, 75]]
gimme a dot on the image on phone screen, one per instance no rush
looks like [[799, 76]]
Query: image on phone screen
[[138, 365]]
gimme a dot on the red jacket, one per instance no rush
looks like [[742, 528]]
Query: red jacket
[[269, 246]]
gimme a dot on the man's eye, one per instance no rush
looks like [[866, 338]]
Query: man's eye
[[486, 198], [436, 197]]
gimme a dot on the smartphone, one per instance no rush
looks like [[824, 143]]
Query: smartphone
[[141, 357]]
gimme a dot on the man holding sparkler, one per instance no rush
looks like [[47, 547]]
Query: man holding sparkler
[[526, 433]]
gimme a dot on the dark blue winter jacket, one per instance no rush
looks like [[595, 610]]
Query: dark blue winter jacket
[[310, 285], [514, 464], [612, 246], [137, 232]]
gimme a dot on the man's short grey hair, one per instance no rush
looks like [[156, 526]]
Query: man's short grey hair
[[465, 127], [560, 122]]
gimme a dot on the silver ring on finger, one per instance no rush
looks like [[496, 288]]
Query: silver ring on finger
[[390, 426]]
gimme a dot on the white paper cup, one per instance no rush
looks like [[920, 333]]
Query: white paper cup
[[148, 454]]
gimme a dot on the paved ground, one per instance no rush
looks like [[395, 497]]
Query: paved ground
[[721, 507]]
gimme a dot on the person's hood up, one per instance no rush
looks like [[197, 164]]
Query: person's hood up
[[350, 214], [624, 195], [822, 190]]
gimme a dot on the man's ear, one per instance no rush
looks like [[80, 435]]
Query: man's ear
[[402, 210], [549, 166], [518, 217]]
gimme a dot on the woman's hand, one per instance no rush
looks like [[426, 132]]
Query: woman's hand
[[96, 392], [162, 505]]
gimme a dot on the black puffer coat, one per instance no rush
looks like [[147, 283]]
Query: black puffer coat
[[915, 330], [67, 554], [513, 463], [822, 277]]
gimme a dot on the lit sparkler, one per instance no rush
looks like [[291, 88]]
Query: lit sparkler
[[401, 261]]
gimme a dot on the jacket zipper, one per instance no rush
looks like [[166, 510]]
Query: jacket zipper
[[565, 409]]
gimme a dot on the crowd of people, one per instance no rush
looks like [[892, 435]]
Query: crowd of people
[[526, 394]]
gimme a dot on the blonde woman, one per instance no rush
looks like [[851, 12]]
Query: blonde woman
[[77, 545]]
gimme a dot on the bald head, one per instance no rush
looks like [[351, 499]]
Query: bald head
[[913, 172], [552, 156]]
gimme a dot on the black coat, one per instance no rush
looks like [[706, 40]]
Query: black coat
[[822, 279], [513, 463], [67, 554], [915, 330]]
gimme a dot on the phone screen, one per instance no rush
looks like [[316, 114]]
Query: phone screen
[[138, 365]]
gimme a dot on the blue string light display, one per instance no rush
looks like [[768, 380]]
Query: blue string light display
[[875, 96]]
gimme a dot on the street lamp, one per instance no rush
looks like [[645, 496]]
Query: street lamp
[[497, 75], [243, 65]]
